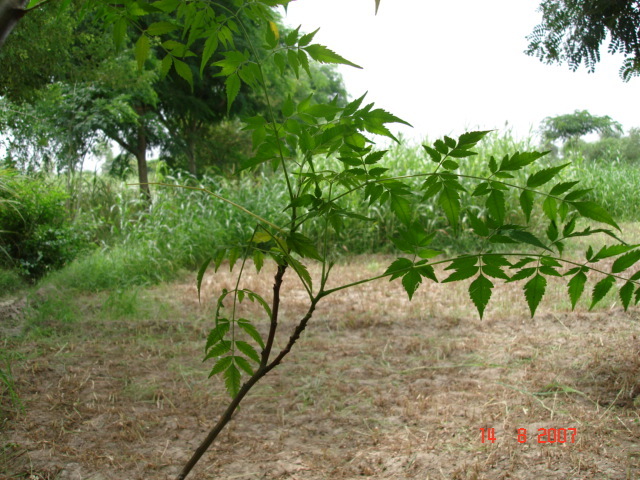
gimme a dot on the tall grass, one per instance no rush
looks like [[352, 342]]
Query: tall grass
[[616, 185], [183, 227]]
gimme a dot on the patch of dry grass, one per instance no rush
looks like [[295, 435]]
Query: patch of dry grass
[[377, 388]]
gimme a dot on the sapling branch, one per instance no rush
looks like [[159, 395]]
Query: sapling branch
[[274, 315], [261, 371]]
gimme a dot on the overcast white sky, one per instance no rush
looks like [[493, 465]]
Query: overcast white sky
[[447, 66]]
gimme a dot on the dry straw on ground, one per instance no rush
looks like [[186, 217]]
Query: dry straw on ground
[[378, 388]]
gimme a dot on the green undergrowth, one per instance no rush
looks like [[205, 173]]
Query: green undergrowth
[[184, 226]]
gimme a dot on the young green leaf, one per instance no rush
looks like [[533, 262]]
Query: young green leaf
[[427, 272], [527, 237], [248, 350], [561, 188], [210, 47], [575, 287], [526, 203], [398, 268], [496, 205], [534, 291], [544, 176], [243, 364], [232, 380], [161, 28], [625, 261], [601, 289], [217, 334], [402, 208], [461, 274], [450, 202], [232, 85], [550, 208], [495, 272], [322, 54], [411, 281], [625, 294], [480, 292], [594, 212], [251, 331], [220, 366], [203, 268], [184, 71], [142, 48], [302, 271], [218, 349]]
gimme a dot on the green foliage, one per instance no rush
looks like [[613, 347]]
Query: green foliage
[[10, 402], [611, 149], [324, 156], [10, 281], [573, 30], [614, 185], [577, 124], [37, 236]]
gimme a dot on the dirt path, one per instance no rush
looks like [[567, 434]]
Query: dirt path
[[378, 388]]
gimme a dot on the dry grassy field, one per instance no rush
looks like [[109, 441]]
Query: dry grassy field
[[378, 388]]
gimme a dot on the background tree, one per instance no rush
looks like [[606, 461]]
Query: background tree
[[575, 125], [572, 31]]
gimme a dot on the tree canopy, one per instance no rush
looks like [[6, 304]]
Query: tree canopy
[[577, 124], [572, 31]]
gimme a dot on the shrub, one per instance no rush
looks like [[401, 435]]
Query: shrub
[[36, 234]]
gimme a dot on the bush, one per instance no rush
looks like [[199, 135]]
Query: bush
[[36, 234]]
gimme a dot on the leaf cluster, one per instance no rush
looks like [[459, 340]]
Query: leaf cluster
[[572, 31]]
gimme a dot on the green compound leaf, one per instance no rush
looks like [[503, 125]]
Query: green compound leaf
[[601, 289], [480, 292], [534, 291]]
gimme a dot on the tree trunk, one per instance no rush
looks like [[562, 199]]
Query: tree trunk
[[11, 11], [141, 157], [141, 154], [191, 156]]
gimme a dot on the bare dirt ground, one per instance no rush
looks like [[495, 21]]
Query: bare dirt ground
[[378, 388]]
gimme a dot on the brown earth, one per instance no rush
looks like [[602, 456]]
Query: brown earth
[[378, 388]]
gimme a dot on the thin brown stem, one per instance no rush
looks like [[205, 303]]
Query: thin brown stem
[[224, 419], [274, 315], [260, 372]]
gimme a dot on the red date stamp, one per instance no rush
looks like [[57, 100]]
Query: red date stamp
[[544, 435]]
